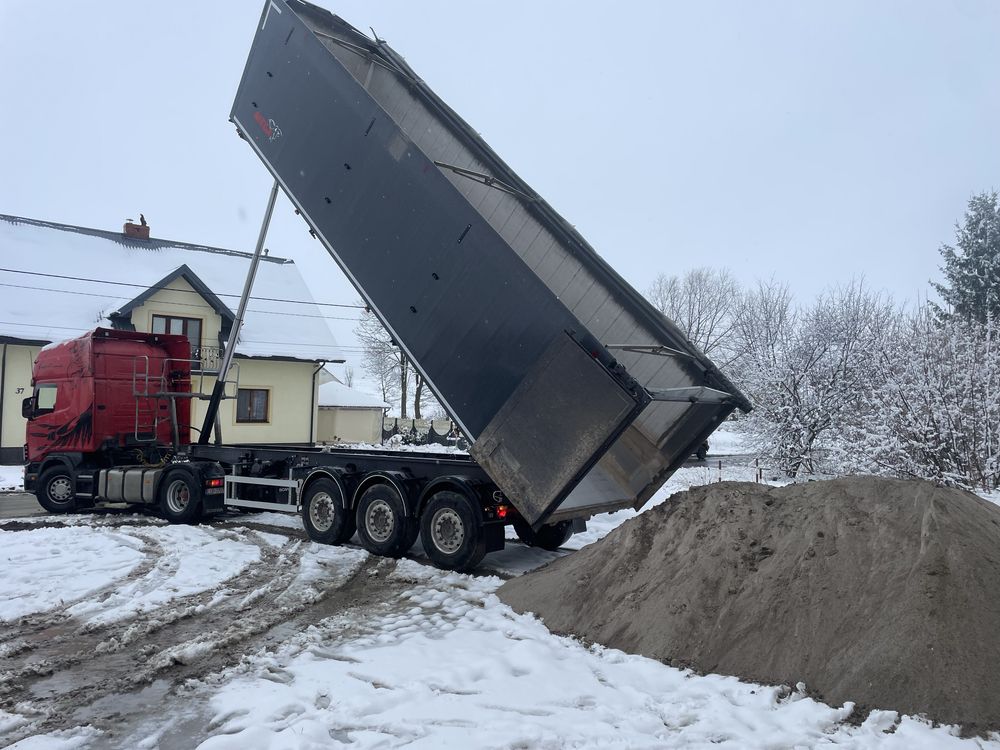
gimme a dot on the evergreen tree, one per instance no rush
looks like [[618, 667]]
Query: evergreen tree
[[972, 267]]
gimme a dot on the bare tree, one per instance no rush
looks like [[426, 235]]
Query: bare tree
[[381, 359], [385, 362], [703, 303], [422, 396], [348, 376]]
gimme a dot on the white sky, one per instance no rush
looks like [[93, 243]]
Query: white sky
[[808, 142]]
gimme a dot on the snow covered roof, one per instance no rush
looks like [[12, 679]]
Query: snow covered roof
[[58, 281], [336, 393]]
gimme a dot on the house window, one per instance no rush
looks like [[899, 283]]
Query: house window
[[190, 327], [252, 405]]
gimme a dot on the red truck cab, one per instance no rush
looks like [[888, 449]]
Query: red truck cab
[[95, 392], [105, 405]]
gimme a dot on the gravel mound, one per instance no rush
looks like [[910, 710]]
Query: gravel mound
[[882, 592]]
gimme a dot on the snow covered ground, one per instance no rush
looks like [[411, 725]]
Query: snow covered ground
[[11, 478], [118, 631], [728, 441]]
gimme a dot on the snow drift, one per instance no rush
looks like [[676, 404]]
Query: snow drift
[[881, 592]]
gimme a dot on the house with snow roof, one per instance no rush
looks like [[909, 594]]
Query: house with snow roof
[[348, 415], [58, 281]]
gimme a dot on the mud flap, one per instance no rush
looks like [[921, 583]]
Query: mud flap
[[493, 534]]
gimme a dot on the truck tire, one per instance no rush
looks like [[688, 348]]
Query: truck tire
[[180, 497], [56, 490], [325, 515], [383, 526], [451, 532], [550, 537]]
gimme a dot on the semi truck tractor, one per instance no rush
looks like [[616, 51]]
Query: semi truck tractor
[[576, 396]]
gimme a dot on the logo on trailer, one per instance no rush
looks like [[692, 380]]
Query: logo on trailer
[[269, 127]]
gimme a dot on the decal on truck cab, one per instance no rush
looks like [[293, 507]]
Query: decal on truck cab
[[78, 432]]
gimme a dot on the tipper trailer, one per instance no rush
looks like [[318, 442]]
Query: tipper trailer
[[576, 395], [109, 422]]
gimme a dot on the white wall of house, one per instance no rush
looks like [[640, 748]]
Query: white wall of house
[[340, 424], [291, 407], [17, 359], [182, 304]]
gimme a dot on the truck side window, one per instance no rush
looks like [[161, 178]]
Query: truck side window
[[45, 398]]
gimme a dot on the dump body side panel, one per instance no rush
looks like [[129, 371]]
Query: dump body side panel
[[483, 329]]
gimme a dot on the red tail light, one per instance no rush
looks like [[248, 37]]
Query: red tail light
[[215, 482], [501, 511]]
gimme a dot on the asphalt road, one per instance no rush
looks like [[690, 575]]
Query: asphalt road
[[18, 504]]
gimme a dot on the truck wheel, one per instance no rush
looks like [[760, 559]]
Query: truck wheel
[[324, 514], [451, 533], [56, 490], [180, 497], [383, 526], [550, 537]]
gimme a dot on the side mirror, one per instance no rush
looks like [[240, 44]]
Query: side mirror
[[28, 407]]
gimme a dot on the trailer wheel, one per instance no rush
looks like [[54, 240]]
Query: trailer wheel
[[383, 526], [324, 514], [180, 497], [56, 490], [550, 537], [451, 533]]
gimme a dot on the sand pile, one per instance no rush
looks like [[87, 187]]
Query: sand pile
[[881, 592]]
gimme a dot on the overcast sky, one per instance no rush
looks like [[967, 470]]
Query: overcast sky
[[805, 141]]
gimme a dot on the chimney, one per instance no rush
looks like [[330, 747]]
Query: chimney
[[140, 230]]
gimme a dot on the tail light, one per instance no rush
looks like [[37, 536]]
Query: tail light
[[215, 482], [501, 511]]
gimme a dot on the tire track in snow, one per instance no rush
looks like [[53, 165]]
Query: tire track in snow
[[31, 631], [69, 667], [56, 641], [108, 674]]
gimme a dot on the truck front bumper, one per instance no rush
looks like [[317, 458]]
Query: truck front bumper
[[31, 477]]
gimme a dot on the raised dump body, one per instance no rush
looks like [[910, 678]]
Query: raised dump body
[[577, 395]]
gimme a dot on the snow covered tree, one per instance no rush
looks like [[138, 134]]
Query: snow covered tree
[[764, 330], [808, 370], [703, 304], [972, 267], [936, 410]]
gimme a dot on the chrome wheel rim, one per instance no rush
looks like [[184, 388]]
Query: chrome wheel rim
[[447, 531], [61, 490], [379, 521], [321, 511], [178, 496]]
